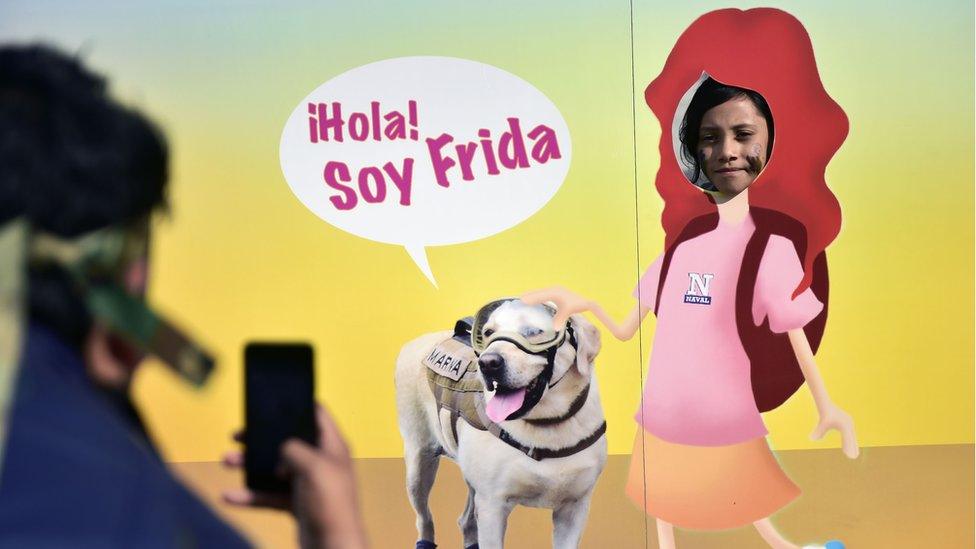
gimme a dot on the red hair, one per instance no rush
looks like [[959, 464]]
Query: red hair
[[768, 51]]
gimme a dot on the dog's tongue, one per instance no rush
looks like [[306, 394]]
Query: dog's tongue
[[499, 407]]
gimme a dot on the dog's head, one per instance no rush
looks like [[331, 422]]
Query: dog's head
[[516, 343]]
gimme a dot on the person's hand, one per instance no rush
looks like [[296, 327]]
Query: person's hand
[[567, 302], [324, 498], [832, 417]]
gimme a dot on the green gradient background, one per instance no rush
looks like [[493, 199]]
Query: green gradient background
[[240, 258]]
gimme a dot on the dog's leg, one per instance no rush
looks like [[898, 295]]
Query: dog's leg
[[468, 521], [569, 519], [422, 465], [492, 520]]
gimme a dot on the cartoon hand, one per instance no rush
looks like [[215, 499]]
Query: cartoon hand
[[832, 417], [567, 302]]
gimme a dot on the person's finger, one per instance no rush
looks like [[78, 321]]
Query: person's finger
[[233, 458], [536, 297], [298, 456], [559, 321], [327, 424], [246, 498], [238, 496], [331, 440], [819, 431], [849, 442]]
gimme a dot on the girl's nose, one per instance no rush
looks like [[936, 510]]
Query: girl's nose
[[728, 150]]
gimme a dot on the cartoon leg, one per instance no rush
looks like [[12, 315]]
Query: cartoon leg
[[422, 465], [665, 534], [492, 521], [468, 521], [772, 536], [569, 519]]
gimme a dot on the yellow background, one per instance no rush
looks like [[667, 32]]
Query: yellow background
[[240, 258]]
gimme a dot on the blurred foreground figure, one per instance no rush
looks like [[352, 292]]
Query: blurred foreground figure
[[80, 177]]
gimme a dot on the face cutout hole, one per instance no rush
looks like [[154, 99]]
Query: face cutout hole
[[722, 136]]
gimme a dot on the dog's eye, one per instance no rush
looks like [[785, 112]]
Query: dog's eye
[[488, 333]]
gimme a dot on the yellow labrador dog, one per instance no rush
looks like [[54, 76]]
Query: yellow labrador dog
[[514, 403]]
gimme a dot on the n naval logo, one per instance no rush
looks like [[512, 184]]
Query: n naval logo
[[698, 290]]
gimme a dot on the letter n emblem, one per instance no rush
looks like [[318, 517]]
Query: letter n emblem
[[699, 288]]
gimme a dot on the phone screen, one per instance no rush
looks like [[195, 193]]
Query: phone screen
[[280, 404]]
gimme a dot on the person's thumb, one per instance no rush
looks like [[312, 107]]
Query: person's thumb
[[559, 321], [298, 456], [534, 297], [819, 431]]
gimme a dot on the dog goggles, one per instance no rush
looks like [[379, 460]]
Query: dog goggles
[[535, 344]]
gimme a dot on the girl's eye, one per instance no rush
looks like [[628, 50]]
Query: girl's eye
[[707, 138], [744, 136]]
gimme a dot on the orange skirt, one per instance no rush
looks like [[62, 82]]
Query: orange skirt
[[707, 487]]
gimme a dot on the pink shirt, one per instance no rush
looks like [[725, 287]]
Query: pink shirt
[[698, 390]]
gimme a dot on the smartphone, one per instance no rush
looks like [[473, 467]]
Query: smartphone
[[279, 404]]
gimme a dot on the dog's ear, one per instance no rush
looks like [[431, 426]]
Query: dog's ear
[[587, 343]]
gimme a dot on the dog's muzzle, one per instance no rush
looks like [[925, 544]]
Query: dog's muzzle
[[492, 366]]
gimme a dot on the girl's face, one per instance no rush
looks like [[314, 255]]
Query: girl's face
[[732, 145]]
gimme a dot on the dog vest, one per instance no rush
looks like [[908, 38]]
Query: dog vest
[[452, 372]]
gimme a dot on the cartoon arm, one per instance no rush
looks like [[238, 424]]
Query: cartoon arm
[[568, 303], [831, 416]]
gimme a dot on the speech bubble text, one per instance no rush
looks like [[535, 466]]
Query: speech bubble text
[[425, 151]]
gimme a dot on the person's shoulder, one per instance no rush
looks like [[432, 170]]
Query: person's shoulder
[[699, 225], [74, 468], [778, 224], [780, 245]]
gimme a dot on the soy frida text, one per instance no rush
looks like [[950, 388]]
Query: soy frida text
[[326, 124]]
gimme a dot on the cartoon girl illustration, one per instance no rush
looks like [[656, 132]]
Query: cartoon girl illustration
[[740, 290]]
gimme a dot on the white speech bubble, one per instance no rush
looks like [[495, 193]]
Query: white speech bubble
[[388, 111]]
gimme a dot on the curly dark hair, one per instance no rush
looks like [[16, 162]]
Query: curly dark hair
[[72, 160]]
